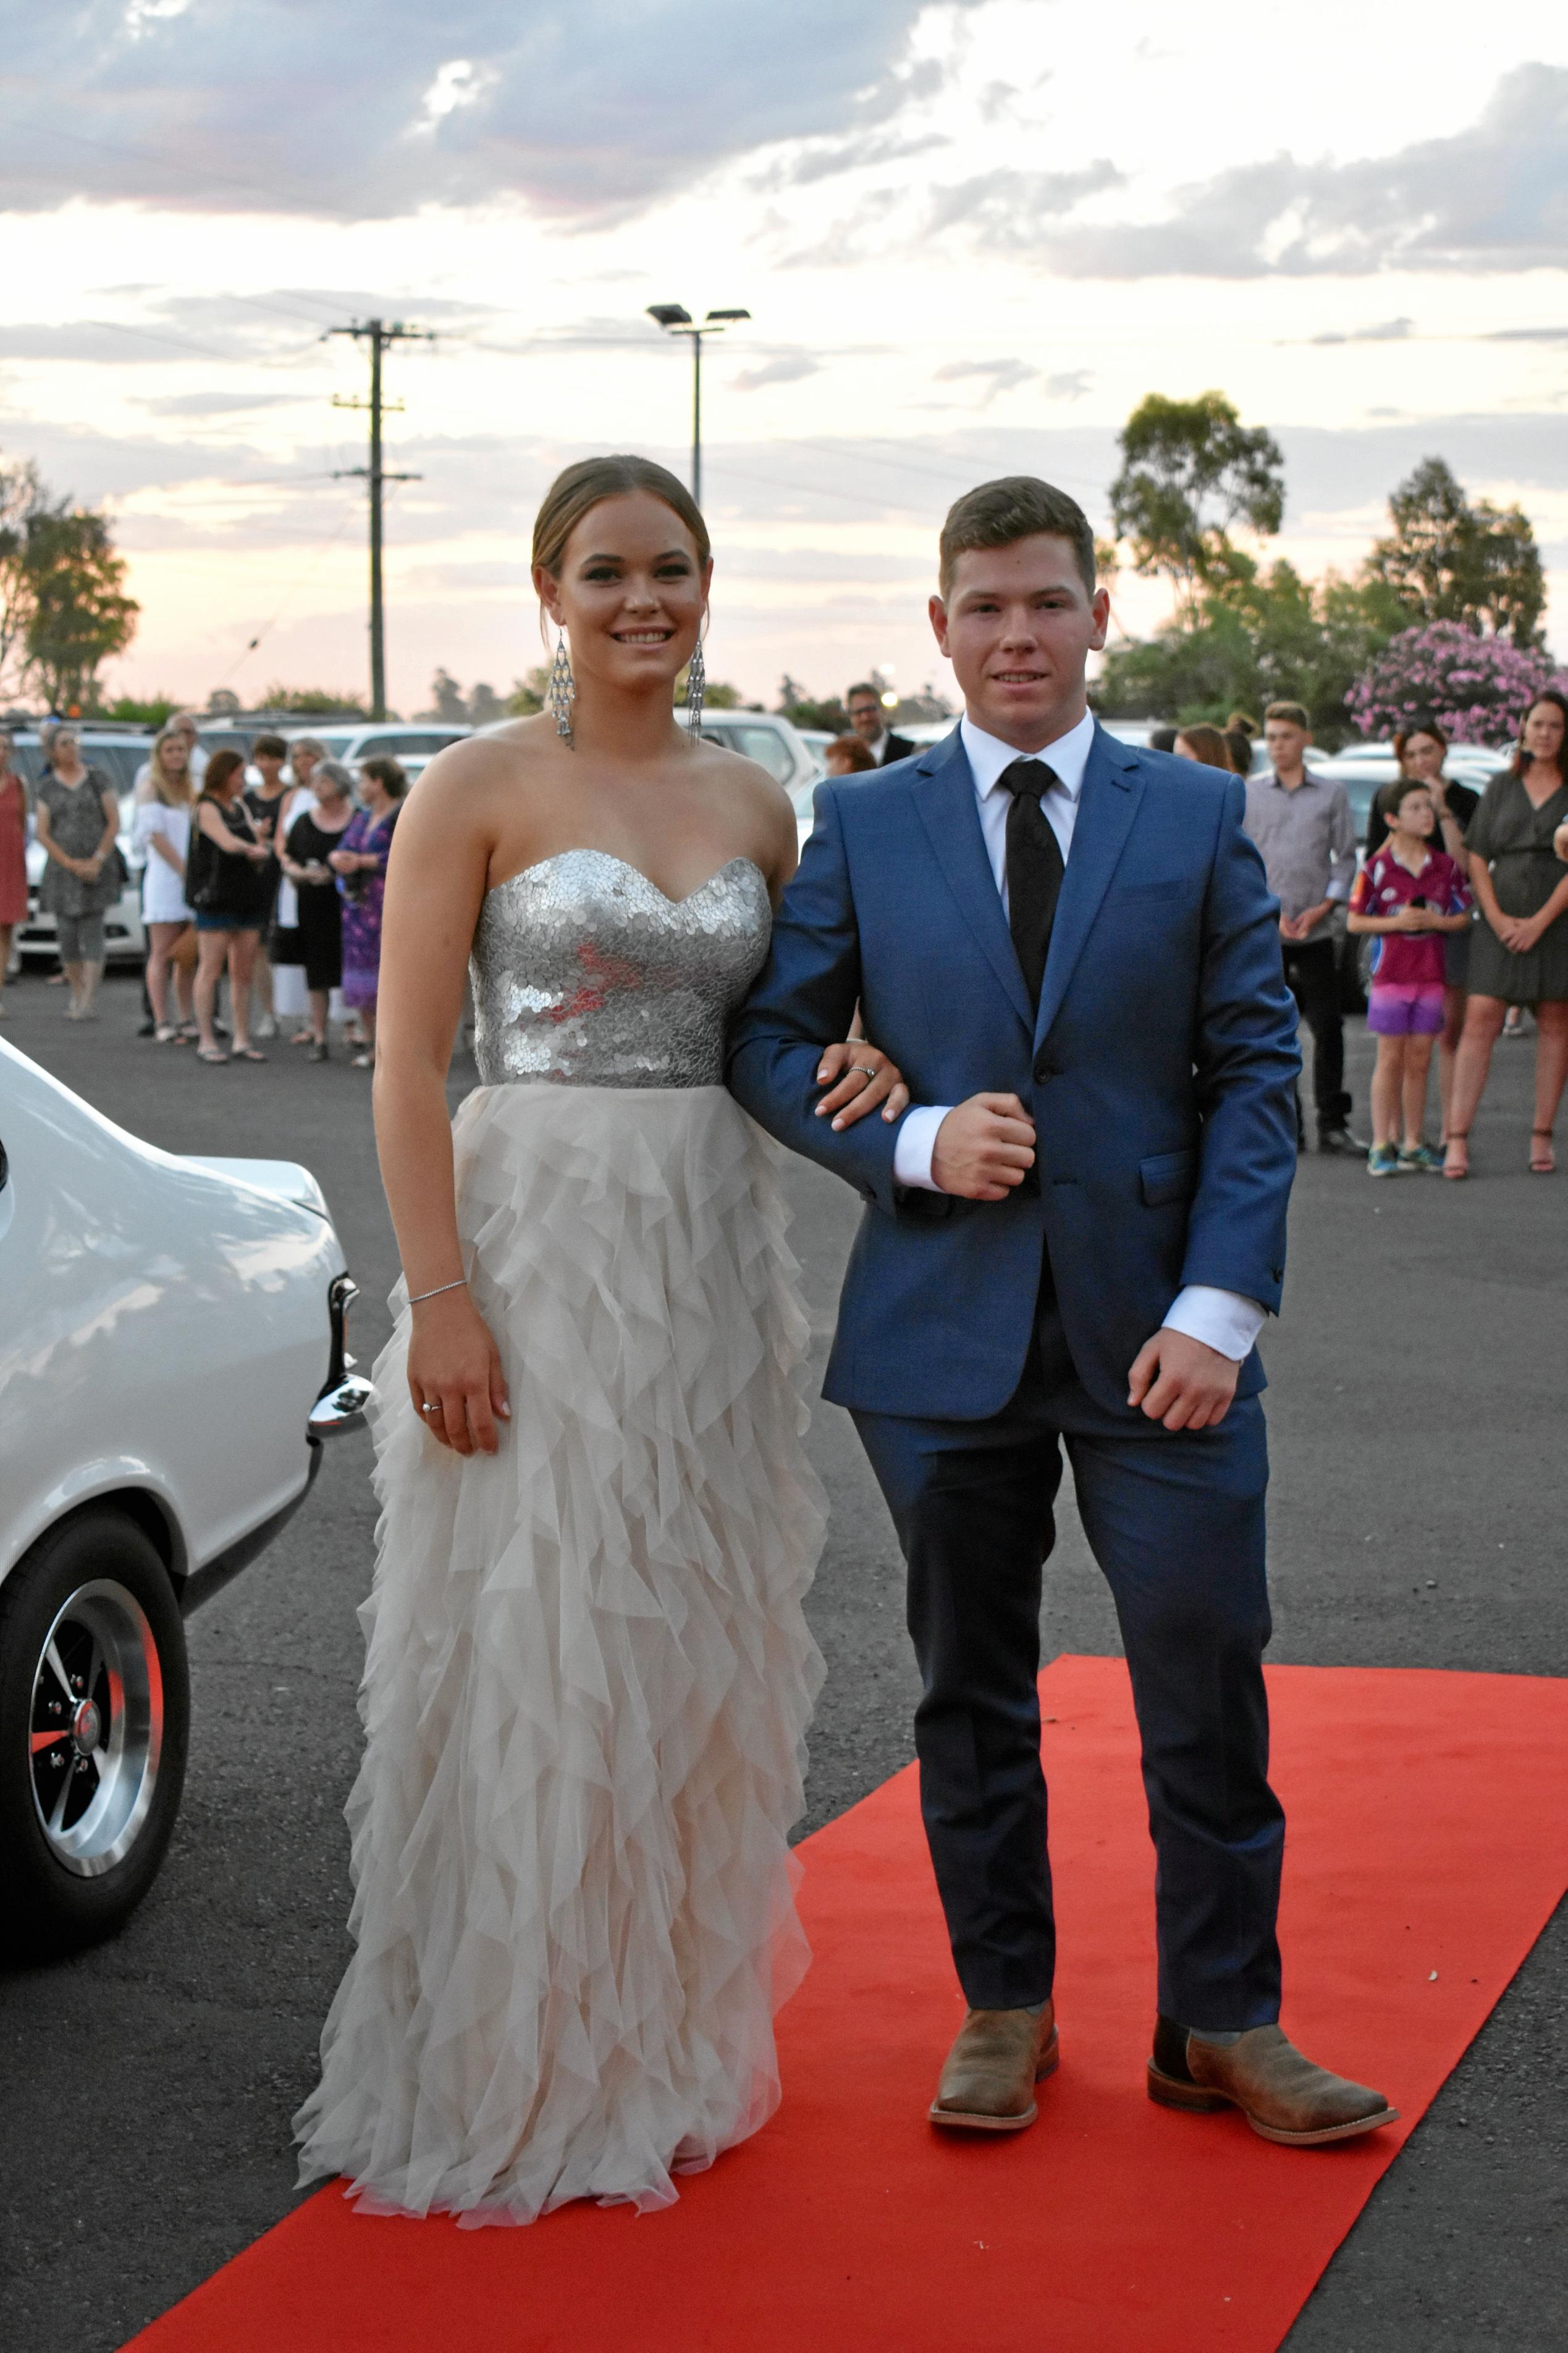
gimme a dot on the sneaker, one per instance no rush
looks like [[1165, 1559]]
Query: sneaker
[[1383, 1160], [266, 1027], [1422, 1158]]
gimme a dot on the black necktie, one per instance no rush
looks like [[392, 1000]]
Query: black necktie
[[1035, 868]]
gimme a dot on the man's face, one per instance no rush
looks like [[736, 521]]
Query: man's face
[[866, 716], [1017, 625], [1287, 744]]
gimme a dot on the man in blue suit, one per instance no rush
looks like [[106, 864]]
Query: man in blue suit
[[1072, 1238]]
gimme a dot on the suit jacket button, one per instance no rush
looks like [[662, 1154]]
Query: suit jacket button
[[1045, 1070]]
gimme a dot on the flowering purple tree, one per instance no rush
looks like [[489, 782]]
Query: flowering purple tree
[[1477, 688]]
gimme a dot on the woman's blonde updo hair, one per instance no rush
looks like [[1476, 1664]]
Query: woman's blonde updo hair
[[582, 485], [174, 792]]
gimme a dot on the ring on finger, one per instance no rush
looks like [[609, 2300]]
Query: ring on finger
[[430, 1409], [871, 1074]]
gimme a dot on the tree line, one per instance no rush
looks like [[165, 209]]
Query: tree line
[[63, 606], [1244, 632]]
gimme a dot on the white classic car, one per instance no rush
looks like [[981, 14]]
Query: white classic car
[[150, 1305]]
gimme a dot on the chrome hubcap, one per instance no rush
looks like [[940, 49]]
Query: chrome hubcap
[[97, 1727]]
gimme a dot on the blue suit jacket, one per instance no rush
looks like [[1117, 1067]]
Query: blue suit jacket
[[1160, 1071]]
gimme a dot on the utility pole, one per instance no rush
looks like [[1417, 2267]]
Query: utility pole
[[378, 334], [676, 320]]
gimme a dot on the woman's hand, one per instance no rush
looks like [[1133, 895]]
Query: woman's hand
[[1560, 843], [860, 1077], [453, 1365], [1517, 933]]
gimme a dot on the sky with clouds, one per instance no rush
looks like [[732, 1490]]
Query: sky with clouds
[[971, 237]]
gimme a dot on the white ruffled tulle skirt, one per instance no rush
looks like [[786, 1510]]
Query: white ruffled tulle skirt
[[588, 1678]]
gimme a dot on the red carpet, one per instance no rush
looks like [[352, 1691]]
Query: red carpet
[[1428, 1845]]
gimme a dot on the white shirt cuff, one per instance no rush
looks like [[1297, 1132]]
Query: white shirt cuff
[[1220, 1319], [913, 1147], [1337, 889]]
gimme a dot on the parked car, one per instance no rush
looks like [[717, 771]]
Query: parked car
[[119, 752], [413, 744], [155, 1306]]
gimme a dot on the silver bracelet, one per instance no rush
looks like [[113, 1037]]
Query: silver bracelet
[[414, 1297]]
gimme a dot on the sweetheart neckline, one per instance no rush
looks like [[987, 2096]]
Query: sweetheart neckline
[[584, 850]]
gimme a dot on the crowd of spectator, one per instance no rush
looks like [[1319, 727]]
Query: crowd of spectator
[[1462, 896], [275, 887]]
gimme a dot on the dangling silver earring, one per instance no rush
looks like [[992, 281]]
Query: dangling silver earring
[[563, 690], [696, 687]]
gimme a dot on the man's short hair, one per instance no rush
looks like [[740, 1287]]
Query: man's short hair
[[271, 747], [865, 687], [1290, 714], [1013, 507], [1390, 796]]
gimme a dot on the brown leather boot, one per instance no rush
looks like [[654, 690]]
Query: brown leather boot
[[988, 2082], [1282, 2094]]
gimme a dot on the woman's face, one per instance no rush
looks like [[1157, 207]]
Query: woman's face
[[1423, 756], [630, 593], [329, 791], [303, 762], [66, 751], [175, 758], [835, 761], [1543, 732]]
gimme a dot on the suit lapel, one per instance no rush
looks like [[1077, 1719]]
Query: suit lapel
[[944, 797], [1112, 790]]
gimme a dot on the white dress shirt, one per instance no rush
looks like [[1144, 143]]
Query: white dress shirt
[[1223, 1320]]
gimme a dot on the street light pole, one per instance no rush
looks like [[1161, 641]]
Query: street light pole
[[676, 320]]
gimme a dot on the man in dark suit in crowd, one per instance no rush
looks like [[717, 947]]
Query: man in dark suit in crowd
[[868, 719]]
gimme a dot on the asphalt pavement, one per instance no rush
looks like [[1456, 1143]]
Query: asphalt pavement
[[1416, 1376]]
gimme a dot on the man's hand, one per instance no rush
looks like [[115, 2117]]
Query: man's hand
[[983, 1148], [1297, 927], [1182, 1383]]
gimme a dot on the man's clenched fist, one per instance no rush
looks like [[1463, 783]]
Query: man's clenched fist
[[983, 1148]]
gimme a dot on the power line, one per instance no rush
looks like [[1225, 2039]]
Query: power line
[[378, 334]]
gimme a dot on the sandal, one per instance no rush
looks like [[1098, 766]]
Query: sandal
[[166, 1035], [1455, 1170], [247, 1054], [211, 1054], [1541, 1164], [364, 1062]]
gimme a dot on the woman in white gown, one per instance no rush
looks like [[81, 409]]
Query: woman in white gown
[[588, 1672]]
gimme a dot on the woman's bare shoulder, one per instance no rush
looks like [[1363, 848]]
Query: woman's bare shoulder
[[476, 780]]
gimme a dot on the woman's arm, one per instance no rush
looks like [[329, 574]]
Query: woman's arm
[[233, 845], [428, 928], [42, 834], [110, 825]]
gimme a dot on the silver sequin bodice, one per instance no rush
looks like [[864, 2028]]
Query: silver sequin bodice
[[585, 974]]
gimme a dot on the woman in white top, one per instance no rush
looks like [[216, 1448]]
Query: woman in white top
[[162, 828]]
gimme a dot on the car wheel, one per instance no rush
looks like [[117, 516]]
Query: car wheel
[[94, 1720]]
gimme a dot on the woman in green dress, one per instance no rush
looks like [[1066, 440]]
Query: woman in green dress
[[1518, 952]]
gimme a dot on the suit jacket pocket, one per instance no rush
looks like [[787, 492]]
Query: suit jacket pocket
[[1168, 1176]]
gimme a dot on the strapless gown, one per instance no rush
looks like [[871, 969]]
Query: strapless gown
[[588, 1673]]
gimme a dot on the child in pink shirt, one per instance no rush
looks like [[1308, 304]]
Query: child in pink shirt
[[1408, 895]]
